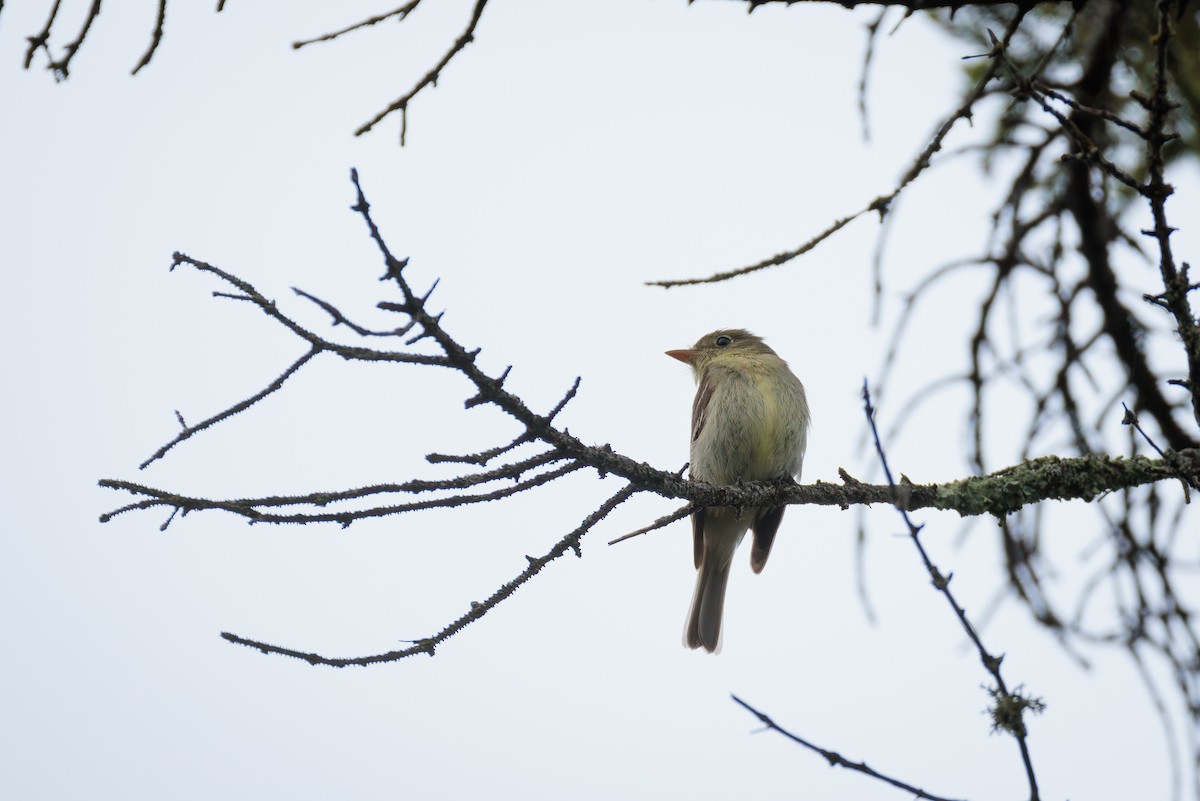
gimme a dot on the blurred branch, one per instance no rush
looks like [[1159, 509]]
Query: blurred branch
[[399, 13], [1096, 228], [61, 67], [41, 41], [914, 5], [1075, 152], [1176, 283], [155, 37]]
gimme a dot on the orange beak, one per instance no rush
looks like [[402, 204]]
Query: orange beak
[[684, 356]]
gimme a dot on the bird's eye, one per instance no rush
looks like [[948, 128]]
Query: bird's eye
[[723, 341]]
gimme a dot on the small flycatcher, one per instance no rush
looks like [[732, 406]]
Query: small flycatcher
[[749, 423]]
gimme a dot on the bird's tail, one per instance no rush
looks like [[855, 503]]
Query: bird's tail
[[704, 619]]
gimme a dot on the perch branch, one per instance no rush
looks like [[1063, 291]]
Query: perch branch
[[560, 453]]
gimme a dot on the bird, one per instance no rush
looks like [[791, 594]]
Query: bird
[[750, 422]]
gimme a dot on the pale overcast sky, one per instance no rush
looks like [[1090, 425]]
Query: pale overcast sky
[[572, 152]]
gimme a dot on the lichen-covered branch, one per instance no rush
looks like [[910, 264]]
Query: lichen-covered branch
[[1052, 478], [1049, 478], [557, 453]]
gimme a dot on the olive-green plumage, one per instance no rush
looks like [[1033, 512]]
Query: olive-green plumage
[[749, 423]]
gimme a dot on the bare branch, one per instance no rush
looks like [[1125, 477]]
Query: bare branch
[[186, 431], [835, 759], [662, 522], [430, 78], [340, 319], [911, 5], [1009, 706], [569, 543], [155, 37], [882, 203], [400, 13], [998, 494], [778, 258], [1157, 190], [61, 67], [251, 508], [39, 41]]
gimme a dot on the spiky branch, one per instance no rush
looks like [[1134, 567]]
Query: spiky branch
[[556, 452]]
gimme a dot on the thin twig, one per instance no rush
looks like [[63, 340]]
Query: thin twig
[[187, 432], [661, 522], [251, 508], [881, 204], [1013, 721], [402, 12], [1175, 281], [569, 543], [155, 37], [39, 41], [61, 67], [837, 760], [430, 78]]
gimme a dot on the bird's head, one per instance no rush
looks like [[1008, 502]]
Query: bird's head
[[723, 346]]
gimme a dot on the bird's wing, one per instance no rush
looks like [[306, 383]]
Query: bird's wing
[[764, 528], [698, 537], [704, 394]]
